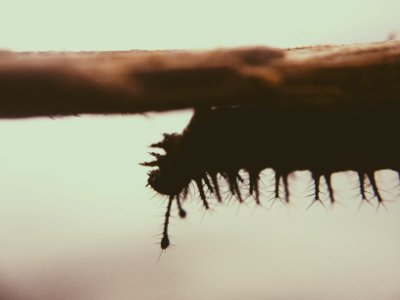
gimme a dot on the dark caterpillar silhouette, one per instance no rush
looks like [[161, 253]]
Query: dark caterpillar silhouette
[[323, 139]]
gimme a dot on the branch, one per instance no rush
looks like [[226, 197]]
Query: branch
[[70, 83]]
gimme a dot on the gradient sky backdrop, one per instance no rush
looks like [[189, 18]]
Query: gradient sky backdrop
[[76, 221]]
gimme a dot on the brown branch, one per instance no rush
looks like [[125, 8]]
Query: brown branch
[[70, 83]]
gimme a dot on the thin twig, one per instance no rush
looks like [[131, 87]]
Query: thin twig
[[70, 83]]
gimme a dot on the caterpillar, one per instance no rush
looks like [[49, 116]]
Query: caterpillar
[[221, 142]]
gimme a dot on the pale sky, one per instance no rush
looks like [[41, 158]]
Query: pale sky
[[124, 24], [78, 223]]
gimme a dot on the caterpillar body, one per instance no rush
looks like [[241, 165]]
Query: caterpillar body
[[323, 139]]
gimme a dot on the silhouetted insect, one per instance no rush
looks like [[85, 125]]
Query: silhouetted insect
[[323, 139]]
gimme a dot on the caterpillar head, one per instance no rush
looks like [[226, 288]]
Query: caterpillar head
[[169, 177]]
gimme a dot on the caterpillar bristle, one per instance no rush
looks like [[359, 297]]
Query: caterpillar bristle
[[235, 179], [185, 192], [214, 181], [375, 189], [286, 187], [208, 183], [277, 182], [254, 188], [316, 177], [232, 180], [328, 180], [149, 164], [201, 191], [165, 242], [361, 177]]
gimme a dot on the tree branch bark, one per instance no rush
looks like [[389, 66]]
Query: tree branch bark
[[34, 84]]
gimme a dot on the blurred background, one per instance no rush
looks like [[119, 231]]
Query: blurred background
[[77, 222]]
